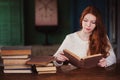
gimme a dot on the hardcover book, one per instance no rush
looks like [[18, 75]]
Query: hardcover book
[[85, 62], [40, 60], [47, 72], [17, 67], [14, 56], [9, 61], [52, 68], [16, 50], [17, 71]]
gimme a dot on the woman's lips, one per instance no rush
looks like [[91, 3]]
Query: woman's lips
[[88, 29]]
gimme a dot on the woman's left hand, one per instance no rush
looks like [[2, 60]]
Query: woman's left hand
[[102, 62]]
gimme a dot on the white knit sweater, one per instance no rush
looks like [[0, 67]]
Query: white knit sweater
[[75, 44]]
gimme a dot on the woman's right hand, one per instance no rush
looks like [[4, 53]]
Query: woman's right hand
[[61, 58]]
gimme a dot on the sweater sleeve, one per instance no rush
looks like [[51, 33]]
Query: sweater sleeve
[[111, 59], [65, 44]]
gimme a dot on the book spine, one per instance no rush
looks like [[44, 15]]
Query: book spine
[[45, 68], [14, 56], [15, 52], [46, 72], [17, 67], [15, 61], [17, 71]]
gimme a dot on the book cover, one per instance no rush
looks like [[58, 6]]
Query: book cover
[[48, 65], [40, 60], [16, 50], [85, 62], [16, 47]]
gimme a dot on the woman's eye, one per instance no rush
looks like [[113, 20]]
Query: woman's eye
[[85, 20], [93, 22]]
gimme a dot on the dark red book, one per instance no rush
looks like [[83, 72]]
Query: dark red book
[[40, 60]]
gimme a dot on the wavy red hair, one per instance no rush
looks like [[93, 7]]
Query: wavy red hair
[[98, 39]]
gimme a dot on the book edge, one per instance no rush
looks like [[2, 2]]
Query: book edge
[[72, 54]]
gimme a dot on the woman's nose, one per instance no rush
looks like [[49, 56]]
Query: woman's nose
[[88, 24]]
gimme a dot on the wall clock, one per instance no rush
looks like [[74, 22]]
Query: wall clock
[[46, 12]]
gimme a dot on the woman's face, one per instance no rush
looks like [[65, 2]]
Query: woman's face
[[88, 23]]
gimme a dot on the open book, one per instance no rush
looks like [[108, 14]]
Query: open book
[[85, 62]]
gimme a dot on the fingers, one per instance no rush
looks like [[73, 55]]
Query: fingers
[[102, 62], [61, 57], [65, 58], [62, 54]]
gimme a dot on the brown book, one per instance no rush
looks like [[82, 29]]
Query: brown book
[[17, 67], [10, 61], [48, 65], [16, 50], [17, 71], [52, 68], [47, 72], [85, 62], [40, 60], [14, 56]]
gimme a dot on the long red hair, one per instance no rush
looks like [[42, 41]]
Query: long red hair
[[98, 39]]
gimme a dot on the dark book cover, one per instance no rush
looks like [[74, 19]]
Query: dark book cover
[[40, 60], [86, 62], [16, 50]]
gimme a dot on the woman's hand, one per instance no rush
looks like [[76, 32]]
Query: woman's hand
[[102, 62], [60, 57]]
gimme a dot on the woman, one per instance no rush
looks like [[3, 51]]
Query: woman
[[91, 39]]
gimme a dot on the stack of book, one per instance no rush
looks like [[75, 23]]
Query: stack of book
[[14, 59], [50, 68], [43, 64]]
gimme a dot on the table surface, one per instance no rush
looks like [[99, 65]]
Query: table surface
[[76, 74]]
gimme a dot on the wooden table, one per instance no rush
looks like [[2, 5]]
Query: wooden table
[[77, 74]]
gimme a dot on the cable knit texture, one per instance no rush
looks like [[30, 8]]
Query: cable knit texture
[[75, 44]]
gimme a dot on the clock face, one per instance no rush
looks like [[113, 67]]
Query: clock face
[[46, 12]]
